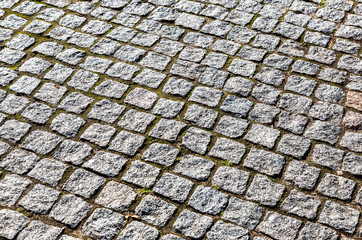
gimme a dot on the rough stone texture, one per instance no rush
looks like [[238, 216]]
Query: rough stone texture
[[302, 175], [40, 199], [323, 131], [11, 188], [49, 171], [70, 210], [265, 191], [231, 179], [136, 230], [116, 196], [11, 223], [174, 187], [106, 163], [228, 150], [83, 183], [352, 141], [294, 145], [39, 230], [103, 224], [337, 187], [208, 200], [327, 156], [19, 161], [279, 226], [243, 213], [163, 106], [264, 162], [301, 204], [352, 164], [161, 153], [192, 224], [126, 142], [262, 135], [196, 140], [141, 174], [155, 211], [194, 167], [339, 217], [73, 152], [314, 230], [222, 230]]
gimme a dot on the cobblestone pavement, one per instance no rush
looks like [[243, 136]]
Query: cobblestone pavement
[[178, 119]]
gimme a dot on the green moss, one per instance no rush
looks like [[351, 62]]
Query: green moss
[[226, 163], [217, 187], [145, 190]]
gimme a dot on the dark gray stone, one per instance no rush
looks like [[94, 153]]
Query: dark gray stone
[[103, 224], [301, 204], [174, 187], [264, 191], [243, 213], [264, 162], [192, 224], [208, 200], [194, 167], [48, 171], [279, 226], [339, 217], [40, 199], [155, 211], [141, 174], [231, 179], [70, 210]]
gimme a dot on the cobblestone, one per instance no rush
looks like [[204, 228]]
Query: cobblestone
[[180, 119]]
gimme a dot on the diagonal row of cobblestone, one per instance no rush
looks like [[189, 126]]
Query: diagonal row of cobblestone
[[178, 119]]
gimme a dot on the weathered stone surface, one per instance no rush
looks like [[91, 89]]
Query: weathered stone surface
[[301, 204], [262, 135], [103, 224], [136, 230], [106, 163], [194, 167], [222, 230], [49, 171], [11, 188], [70, 210], [243, 213], [161, 153], [116, 196], [39, 230], [126, 142], [83, 183], [192, 224], [231, 179], [279, 226], [327, 156], [155, 211], [40, 199], [302, 175], [11, 223], [265, 191], [19, 161], [339, 217], [336, 186], [141, 174], [180, 119], [264, 162], [312, 230], [173, 187], [208, 200]]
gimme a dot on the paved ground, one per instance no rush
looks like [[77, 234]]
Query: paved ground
[[177, 119]]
